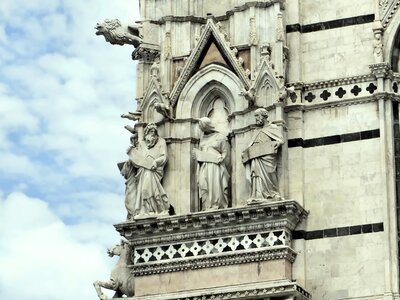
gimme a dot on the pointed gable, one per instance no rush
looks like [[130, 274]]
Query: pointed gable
[[212, 47], [266, 84], [154, 94]]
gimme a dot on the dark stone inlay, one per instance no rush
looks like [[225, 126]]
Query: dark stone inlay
[[334, 139], [367, 228], [356, 90], [340, 92], [293, 28], [316, 234], [355, 229], [330, 232], [298, 142], [343, 231], [371, 88], [309, 97], [377, 227], [325, 95], [330, 24], [336, 232], [395, 87]]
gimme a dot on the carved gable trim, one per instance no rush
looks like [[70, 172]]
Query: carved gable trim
[[266, 75], [154, 90], [388, 9], [211, 29]]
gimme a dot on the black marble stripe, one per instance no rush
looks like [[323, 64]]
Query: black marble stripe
[[334, 139], [336, 232], [330, 24]]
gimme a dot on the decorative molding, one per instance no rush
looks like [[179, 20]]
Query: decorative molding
[[211, 246], [210, 29], [263, 290], [388, 9], [146, 53], [228, 14], [195, 263], [337, 103], [381, 70], [331, 83], [202, 225]]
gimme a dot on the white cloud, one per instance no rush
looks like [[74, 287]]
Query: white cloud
[[62, 90], [42, 258]]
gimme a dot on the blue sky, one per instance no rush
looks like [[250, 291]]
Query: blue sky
[[62, 90]]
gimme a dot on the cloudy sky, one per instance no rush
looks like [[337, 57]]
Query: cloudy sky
[[62, 90]]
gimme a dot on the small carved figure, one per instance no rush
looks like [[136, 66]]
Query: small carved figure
[[121, 280], [212, 174], [128, 170], [260, 159], [163, 109], [133, 116], [378, 46], [149, 158], [249, 95], [117, 34]]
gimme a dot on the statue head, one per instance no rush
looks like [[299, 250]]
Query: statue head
[[261, 115], [151, 135], [206, 125]]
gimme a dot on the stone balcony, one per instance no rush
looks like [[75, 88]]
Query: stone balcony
[[235, 253]]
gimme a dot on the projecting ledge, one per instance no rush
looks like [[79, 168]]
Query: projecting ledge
[[282, 215], [278, 290]]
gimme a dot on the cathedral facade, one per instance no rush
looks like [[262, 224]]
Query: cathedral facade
[[278, 169]]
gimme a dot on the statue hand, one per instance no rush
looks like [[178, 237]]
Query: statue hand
[[154, 166], [276, 145], [220, 159]]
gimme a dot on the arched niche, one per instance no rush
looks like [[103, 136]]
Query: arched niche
[[148, 110], [391, 39], [210, 84]]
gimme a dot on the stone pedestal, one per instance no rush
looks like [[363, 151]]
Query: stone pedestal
[[234, 253]]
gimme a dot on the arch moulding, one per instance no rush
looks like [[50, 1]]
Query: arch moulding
[[212, 79]]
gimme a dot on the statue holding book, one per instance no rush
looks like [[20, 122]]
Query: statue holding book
[[260, 159], [129, 171], [212, 174], [147, 161]]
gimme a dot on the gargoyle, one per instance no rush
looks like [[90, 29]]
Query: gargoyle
[[163, 109], [249, 95], [116, 33], [133, 116]]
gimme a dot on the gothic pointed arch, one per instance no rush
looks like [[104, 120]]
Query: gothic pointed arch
[[266, 86], [211, 82], [212, 37], [153, 95]]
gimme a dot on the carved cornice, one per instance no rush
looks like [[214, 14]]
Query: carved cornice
[[263, 290], [253, 218], [146, 53], [380, 70], [388, 9], [338, 103], [215, 261], [331, 83], [229, 13], [211, 29]]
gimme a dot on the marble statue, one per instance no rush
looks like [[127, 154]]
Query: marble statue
[[149, 159], [212, 174], [129, 171], [260, 159], [117, 34], [121, 280]]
